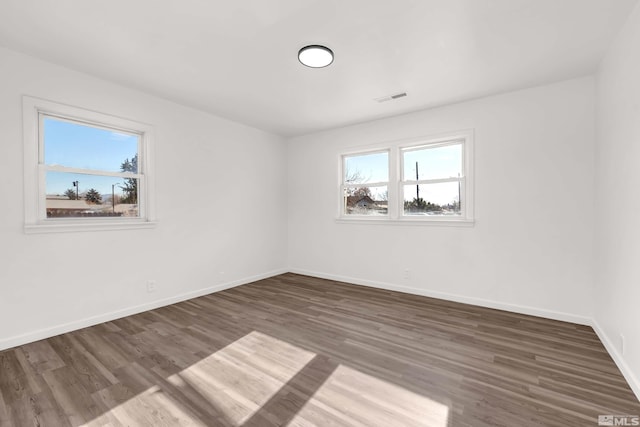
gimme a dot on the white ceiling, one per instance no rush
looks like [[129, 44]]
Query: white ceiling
[[238, 59]]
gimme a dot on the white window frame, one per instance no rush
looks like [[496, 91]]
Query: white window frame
[[35, 217], [396, 183], [344, 185]]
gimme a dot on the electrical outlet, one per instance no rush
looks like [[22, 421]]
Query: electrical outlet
[[406, 274], [151, 286]]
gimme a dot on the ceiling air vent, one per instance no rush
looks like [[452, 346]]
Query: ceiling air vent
[[390, 97]]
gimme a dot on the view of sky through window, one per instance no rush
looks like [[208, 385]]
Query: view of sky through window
[[366, 168], [433, 163], [85, 147], [439, 162]]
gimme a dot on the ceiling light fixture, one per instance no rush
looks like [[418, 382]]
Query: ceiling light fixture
[[315, 56]]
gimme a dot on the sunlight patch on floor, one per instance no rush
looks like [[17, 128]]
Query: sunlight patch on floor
[[239, 379], [258, 379], [350, 397], [154, 406], [234, 382]]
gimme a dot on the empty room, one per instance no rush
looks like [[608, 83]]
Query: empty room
[[264, 213]]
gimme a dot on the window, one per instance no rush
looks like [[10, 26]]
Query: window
[[365, 181], [423, 180], [432, 179], [84, 170]]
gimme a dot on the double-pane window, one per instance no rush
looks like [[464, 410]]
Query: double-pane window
[[426, 180]]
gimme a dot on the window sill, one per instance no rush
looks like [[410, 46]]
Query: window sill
[[438, 222], [77, 226]]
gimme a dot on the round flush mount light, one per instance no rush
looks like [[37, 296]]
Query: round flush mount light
[[315, 56]]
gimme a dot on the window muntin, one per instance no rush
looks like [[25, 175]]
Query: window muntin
[[365, 180], [433, 179]]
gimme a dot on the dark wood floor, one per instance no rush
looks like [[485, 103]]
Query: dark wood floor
[[295, 350]]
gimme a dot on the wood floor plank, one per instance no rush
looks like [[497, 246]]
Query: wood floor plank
[[42, 356], [15, 383], [5, 420], [109, 355], [71, 352], [67, 387], [300, 351], [45, 410]]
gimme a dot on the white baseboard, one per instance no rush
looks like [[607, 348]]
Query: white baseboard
[[628, 374], [532, 311], [107, 317]]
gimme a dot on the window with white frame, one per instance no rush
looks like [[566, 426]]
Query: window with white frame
[[426, 179], [365, 183], [83, 169], [433, 179]]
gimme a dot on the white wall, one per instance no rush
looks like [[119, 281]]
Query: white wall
[[221, 207], [531, 249], [618, 200]]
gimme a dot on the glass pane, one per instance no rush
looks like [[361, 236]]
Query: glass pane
[[77, 145], [433, 163], [366, 201], [366, 168], [432, 199], [72, 195]]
